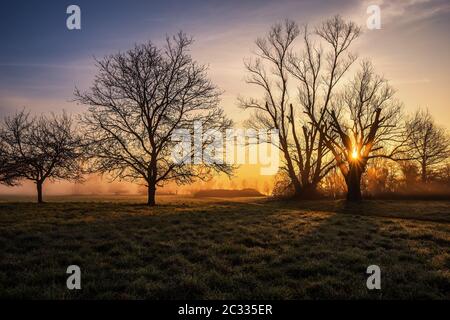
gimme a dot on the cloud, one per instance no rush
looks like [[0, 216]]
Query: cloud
[[409, 11]]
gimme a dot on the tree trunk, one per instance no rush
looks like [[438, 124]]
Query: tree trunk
[[151, 191], [291, 172], [39, 191], [308, 191], [297, 188], [353, 181], [424, 172], [290, 167]]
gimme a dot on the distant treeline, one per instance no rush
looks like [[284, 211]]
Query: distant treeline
[[225, 193]]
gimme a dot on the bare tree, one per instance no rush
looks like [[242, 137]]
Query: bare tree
[[367, 121], [137, 100], [272, 111], [317, 72], [444, 173], [7, 166], [429, 144], [40, 148], [410, 174], [380, 176]]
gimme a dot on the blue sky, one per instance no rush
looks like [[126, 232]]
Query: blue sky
[[41, 61]]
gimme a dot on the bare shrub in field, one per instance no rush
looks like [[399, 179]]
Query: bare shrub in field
[[333, 184], [381, 176], [283, 187]]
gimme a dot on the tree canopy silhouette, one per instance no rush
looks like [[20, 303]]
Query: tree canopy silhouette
[[367, 121], [137, 101], [429, 144], [314, 72], [39, 148]]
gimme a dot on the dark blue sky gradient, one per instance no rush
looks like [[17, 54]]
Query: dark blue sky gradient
[[35, 31], [41, 61]]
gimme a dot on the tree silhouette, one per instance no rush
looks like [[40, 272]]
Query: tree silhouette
[[316, 72], [7, 168], [429, 144], [137, 100], [367, 120], [39, 148]]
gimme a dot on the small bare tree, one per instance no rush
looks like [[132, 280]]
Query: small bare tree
[[367, 121], [138, 99], [39, 148], [429, 144]]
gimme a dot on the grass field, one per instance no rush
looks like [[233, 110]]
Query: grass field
[[223, 249]]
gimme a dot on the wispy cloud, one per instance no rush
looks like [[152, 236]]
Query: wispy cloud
[[408, 11], [45, 66]]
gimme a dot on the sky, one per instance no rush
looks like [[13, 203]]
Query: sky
[[41, 61]]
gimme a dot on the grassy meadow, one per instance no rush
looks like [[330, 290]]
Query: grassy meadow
[[246, 248]]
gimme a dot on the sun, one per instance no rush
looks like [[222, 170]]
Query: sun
[[355, 154]]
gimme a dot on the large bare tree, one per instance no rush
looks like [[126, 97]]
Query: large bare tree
[[137, 101], [367, 121], [39, 148], [269, 72], [313, 75], [429, 144]]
